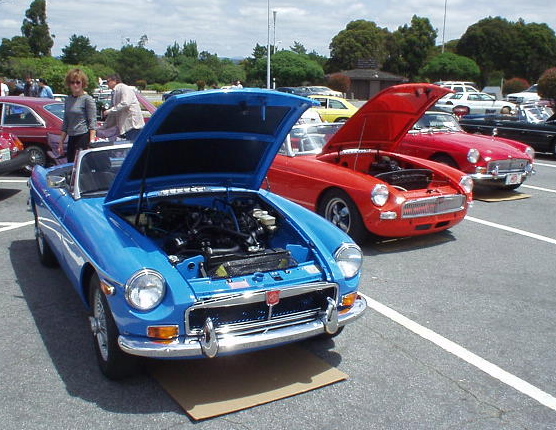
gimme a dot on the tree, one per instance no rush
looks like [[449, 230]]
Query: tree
[[17, 46], [36, 29], [450, 66], [288, 68], [360, 40], [79, 51], [518, 49], [298, 48], [410, 47]]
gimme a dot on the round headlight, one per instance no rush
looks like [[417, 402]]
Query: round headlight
[[473, 155], [379, 194], [349, 258], [145, 290], [530, 152], [467, 183]]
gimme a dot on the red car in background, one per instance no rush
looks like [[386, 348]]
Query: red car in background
[[32, 120], [353, 176], [13, 156], [37, 122], [490, 161]]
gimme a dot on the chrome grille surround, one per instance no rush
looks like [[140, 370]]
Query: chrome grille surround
[[436, 205], [510, 165], [246, 313]]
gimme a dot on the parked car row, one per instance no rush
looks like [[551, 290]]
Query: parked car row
[[197, 260]]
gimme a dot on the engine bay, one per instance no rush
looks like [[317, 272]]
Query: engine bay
[[234, 236]]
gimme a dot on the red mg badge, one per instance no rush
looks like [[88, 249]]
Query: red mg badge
[[272, 297]]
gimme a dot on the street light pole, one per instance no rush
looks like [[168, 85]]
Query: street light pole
[[268, 47], [444, 26]]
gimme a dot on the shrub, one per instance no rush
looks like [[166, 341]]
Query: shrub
[[339, 82], [515, 85], [547, 84]]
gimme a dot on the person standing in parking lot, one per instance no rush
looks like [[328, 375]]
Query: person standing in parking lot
[[125, 112], [45, 90], [4, 90], [80, 116]]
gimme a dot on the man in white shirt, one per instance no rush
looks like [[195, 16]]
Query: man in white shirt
[[4, 90], [125, 112]]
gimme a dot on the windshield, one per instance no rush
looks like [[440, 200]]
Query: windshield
[[309, 139], [433, 121], [536, 113], [98, 168]]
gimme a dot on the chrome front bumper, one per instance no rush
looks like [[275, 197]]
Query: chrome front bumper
[[210, 345]]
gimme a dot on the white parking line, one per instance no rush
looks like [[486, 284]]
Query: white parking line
[[5, 226], [548, 190], [511, 229], [545, 165], [469, 357], [15, 181]]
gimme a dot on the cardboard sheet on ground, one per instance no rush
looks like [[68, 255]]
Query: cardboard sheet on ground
[[499, 195], [210, 387]]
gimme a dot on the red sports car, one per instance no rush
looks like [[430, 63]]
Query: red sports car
[[351, 175], [490, 161]]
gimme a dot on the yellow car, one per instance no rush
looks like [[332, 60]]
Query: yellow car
[[334, 109]]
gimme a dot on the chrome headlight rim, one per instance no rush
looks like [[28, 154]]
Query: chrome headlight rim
[[349, 258], [466, 183], [380, 194], [473, 155], [530, 152], [145, 289]]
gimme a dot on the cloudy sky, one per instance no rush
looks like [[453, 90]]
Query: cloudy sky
[[233, 28]]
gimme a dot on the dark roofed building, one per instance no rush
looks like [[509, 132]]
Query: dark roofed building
[[365, 83]]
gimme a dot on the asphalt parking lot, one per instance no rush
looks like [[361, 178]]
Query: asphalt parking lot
[[459, 335]]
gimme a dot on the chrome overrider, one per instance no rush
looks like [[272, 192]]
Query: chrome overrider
[[210, 340]]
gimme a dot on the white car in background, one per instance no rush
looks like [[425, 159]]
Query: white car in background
[[475, 103], [529, 95]]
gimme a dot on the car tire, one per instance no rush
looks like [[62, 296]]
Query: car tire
[[445, 159], [113, 362], [338, 208], [46, 255], [37, 157]]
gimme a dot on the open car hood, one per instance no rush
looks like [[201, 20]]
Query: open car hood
[[223, 138], [384, 120]]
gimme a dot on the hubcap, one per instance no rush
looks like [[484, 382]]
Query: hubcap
[[99, 325], [338, 214]]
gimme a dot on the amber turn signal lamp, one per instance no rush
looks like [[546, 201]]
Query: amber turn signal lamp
[[349, 299], [163, 331]]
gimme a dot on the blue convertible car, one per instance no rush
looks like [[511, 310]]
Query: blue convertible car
[[175, 249]]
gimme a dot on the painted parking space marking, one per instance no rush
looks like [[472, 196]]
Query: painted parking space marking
[[15, 181], [511, 229], [466, 355], [548, 190], [5, 226]]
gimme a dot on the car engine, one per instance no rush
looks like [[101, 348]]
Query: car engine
[[234, 237]]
